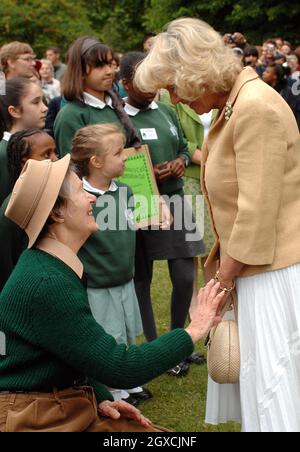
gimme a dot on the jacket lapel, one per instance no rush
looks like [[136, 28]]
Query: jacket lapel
[[247, 75]]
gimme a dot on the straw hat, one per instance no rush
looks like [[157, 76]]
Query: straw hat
[[35, 193]]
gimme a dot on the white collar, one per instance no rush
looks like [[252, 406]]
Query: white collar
[[88, 187], [6, 136], [93, 101], [132, 111]]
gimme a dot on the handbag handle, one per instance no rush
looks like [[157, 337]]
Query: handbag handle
[[232, 300]]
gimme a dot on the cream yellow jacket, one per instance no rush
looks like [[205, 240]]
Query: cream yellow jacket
[[251, 178]]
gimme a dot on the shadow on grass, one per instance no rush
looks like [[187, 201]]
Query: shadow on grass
[[178, 403]]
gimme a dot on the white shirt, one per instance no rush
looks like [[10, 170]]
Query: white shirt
[[93, 101], [6, 136], [206, 120], [132, 111], [88, 187], [51, 90]]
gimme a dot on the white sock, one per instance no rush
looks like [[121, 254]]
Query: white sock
[[135, 390], [119, 394], [125, 394]]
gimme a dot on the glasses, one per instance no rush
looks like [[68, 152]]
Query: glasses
[[27, 59]]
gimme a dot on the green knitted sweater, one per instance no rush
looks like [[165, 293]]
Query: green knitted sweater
[[52, 338]]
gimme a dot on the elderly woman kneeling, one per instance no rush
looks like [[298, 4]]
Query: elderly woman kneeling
[[58, 359]]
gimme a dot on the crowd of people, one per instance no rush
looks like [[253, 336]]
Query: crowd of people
[[75, 294], [276, 61]]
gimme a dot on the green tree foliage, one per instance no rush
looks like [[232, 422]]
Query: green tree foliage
[[42, 23], [118, 22], [122, 24], [258, 19]]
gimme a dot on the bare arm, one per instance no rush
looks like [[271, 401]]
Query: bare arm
[[197, 157], [229, 270]]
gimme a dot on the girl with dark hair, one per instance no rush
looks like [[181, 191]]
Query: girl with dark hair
[[87, 88], [29, 144], [277, 76], [21, 108]]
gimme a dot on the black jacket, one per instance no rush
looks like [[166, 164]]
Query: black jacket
[[293, 99]]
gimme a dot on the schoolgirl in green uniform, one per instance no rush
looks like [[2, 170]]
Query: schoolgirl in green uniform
[[87, 92], [108, 255], [21, 108], [28, 144]]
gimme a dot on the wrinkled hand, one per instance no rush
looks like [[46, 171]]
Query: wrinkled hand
[[162, 172], [178, 167], [206, 315], [115, 410]]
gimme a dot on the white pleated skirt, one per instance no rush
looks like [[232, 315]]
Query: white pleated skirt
[[269, 328]]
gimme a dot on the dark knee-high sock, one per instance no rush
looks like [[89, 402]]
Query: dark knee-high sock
[[182, 277], [142, 282]]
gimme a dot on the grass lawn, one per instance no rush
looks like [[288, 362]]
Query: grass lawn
[[178, 403]]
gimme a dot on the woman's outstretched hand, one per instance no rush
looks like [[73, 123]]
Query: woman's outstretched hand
[[115, 410], [205, 316]]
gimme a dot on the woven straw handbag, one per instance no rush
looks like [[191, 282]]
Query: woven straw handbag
[[223, 358]]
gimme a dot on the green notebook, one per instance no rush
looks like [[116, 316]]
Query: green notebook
[[140, 177]]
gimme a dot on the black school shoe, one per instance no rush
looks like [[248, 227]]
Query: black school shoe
[[132, 400], [143, 395], [136, 397], [196, 358], [180, 370]]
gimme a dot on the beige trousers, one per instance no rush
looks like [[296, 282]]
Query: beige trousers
[[72, 410]]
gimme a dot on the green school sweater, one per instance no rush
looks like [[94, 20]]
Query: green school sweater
[[4, 175], [75, 115], [52, 338], [169, 144], [108, 255], [13, 241]]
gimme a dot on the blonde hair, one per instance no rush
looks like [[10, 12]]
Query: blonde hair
[[191, 57], [92, 140], [48, 63], [12, 51]]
